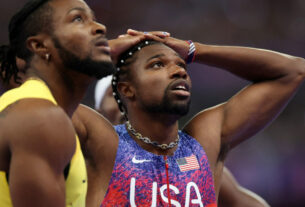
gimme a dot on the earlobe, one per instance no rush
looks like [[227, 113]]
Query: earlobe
[[36, 45], [126, 90]]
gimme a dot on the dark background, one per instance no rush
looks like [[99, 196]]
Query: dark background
[[272, 163]]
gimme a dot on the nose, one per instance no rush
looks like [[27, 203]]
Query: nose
[[99, 29], [178, 72]]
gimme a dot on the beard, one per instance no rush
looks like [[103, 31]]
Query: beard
[[169, 106], [87, 66]]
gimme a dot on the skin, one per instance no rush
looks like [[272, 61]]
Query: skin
[[275, 76], [24, 154]]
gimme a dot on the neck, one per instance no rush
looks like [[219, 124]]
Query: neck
[[68, 87], [162, 128]]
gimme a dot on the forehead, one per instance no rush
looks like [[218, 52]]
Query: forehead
[[151, 51], [63, 7]]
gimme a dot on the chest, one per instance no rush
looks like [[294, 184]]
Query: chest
[[140, 178]]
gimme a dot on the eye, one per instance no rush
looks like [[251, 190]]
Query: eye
[[182, 65], [78, 18], [157, 64]]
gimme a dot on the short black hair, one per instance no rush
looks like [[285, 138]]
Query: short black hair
[[34, 17], [125, 60]]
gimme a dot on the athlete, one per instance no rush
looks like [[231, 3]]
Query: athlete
[[152, 163], [41, 163], [231, 193]]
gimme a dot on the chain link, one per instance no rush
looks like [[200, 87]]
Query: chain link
[[148, 141]]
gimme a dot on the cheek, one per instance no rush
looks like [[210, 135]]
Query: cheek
[[77, 42], [152, 88]]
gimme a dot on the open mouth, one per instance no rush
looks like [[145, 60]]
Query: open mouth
[[181, 88], [180, 85]]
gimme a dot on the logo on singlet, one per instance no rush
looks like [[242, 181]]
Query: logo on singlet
[[136, 161]]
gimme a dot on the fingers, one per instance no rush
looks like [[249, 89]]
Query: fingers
[[139, 36], [122, 36], [132, 38], [160, 34]]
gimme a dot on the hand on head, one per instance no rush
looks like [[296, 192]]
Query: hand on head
[[131, 38], [180, 46]]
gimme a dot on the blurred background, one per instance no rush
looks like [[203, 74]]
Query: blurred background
[[272, 163]]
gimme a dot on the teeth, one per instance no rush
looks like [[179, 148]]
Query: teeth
[[181, 87]]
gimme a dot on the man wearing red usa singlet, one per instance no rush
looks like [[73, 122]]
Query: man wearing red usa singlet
[[151, 162]]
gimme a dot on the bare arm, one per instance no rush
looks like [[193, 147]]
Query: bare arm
[[42, 142], [275, 78], [234, 195], [99, 143]]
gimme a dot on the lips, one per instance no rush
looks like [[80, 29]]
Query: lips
[[103, 44], [180, 87]]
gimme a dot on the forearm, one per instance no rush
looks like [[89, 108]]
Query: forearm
[[250, 63]]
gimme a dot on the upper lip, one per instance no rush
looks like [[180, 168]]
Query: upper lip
[[101, 42], [180, 85]]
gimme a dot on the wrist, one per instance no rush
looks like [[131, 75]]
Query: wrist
[[191, 53]]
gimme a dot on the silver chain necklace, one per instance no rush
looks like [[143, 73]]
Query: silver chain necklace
[[148, 141]]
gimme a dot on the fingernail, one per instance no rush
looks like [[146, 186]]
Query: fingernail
[[145, 32], [166, 33]]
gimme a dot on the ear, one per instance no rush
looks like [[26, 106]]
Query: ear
[[37, 45], [126, 90]]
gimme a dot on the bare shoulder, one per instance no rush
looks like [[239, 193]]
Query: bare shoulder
[[98, 136], [41, 140], [38, 126], [206, 128], [88, 121]]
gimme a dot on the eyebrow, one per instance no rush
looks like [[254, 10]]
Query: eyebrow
[[82, 10], [162, 55], [155, 56]]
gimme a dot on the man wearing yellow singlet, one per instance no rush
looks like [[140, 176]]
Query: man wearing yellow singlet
[[65, 49]]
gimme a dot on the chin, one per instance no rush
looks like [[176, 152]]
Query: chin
[[102, 58]]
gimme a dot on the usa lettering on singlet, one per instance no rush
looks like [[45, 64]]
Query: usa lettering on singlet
[[140, 178]]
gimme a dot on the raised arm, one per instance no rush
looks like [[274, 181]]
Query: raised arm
[[41, 142], [275, 76]]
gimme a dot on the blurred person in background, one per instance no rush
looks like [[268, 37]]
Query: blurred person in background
[[105, 103]]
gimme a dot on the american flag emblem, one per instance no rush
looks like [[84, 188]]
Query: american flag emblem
[[188, 163]]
